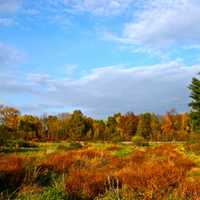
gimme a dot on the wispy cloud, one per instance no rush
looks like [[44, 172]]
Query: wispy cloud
[[10, 6], [6, 21], [99, 7], [8, 9], [60, 11], [162, 25], [107, 90], [10, 56]]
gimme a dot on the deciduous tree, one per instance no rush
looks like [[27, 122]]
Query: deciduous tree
[[128, 125], [9, 117]]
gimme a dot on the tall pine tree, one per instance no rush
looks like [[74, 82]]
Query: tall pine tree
[[195, 104]]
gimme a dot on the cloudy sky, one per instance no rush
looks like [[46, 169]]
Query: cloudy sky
[[100, 56]]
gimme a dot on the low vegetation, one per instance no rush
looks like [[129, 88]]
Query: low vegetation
[[125, 157], [151, 172]]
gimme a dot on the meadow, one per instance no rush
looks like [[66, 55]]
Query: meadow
[[99, 100], [101, 171]]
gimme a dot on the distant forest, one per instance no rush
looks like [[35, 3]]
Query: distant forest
[[78, 127]]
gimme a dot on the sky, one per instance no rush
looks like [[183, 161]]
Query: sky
[[100, 56]]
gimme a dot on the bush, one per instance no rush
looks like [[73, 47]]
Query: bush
[[139, 141], [151, 173], [29, 192], [123, 193], [11, 172], [86, 184], [71, 146], [60, 163], [55, 192], [13, 145], [4, 135], [23, 143], [75, 145], [62, 147], [194, 138], [195, 148], [189, 189]]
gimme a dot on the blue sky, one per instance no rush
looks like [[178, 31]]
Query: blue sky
[[100, 56]]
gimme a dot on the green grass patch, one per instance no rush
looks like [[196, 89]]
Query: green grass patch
[[123, 151]]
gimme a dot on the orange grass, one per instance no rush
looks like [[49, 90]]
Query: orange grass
[[11, 171], [190, 189], [153, 173]]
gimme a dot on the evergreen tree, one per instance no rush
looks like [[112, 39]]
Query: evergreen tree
[[195, 104]]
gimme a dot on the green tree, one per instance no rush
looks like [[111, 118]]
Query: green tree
[[64, 119], [77, 127], [4, 135], [144, 126], [9, 123], [30, 127], [99, 129], [195, 104], [53, 127], [155, 127], [111, 130]]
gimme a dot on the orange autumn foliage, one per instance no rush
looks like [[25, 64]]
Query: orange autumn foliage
[[153, 173]]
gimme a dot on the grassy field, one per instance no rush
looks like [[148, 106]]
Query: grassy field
[[101, 171]]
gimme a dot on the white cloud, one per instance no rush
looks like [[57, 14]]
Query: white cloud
[[9, 56], [6, 21], [162, 24], [112, 89], [99, 7], [10, 6], [8, 10]]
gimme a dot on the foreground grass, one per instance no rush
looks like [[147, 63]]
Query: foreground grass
[[101, 171]]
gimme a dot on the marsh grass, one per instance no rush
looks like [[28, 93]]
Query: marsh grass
[[102, 171]]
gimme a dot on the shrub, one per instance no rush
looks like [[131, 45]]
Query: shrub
[[71, 146], [55, 192], [139, 141], [4, 135], [75, 145], [82, 184], [15, 145], [194, 138], [152, 180], [91, 153], [29, 192], [123, 193], [62, 147], [11, 172], [59, 162], [114, 147], [39, 175], [151, 173], [189, 189], [194, 147], [29, 196]]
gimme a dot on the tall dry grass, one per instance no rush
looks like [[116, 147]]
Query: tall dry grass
[[153, 173]]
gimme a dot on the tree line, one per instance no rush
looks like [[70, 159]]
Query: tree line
[[77, 126]]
